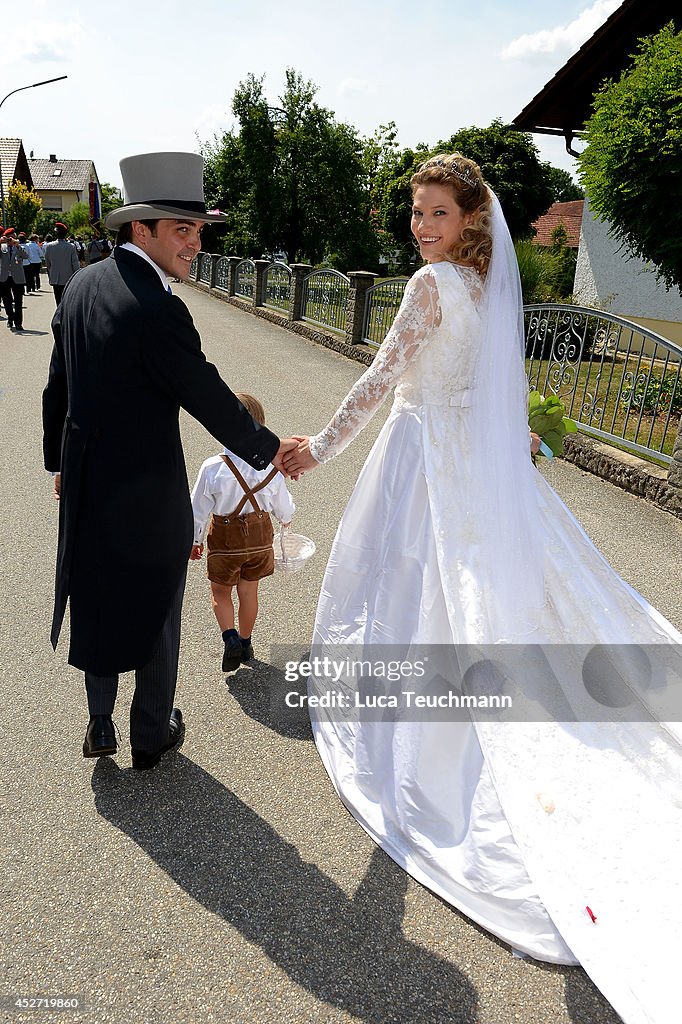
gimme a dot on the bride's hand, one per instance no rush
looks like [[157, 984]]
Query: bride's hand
[[285, 445], [300, 459]]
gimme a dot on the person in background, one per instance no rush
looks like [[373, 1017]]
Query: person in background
[[61, 261], [80, 249], [97, 249], [13, 278], [28, 274], [35, 259]]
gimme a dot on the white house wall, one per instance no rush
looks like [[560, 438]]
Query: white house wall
[[607, 278]]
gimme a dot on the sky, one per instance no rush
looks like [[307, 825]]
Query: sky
[[150, 76]]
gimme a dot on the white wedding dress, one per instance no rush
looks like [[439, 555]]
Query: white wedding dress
[[522, 826]]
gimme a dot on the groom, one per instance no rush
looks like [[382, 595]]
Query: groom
[[126, 358]]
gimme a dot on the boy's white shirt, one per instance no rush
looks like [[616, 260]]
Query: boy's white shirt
[[218, 491]]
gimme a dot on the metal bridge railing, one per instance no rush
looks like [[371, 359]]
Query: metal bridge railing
[[618, 381], [382, 303], [325, 298], [277, 286], [245, 279]]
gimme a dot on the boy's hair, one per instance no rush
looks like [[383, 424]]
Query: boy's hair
[[253, 406]]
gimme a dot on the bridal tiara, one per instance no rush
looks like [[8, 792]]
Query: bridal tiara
[[454, 169]]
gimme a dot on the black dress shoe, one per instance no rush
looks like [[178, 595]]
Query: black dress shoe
[[233, 655], [100, 738], [143, 761], [247, 651]]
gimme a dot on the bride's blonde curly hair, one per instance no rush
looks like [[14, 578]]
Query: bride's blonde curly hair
[[463, 177]]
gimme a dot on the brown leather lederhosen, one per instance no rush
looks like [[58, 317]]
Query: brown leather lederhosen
[[240, 546]]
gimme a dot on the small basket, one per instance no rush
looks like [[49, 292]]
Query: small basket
[[292, 551]]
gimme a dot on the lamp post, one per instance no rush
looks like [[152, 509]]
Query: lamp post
[[34, 85]]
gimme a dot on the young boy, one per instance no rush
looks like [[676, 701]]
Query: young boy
[[238, 499]]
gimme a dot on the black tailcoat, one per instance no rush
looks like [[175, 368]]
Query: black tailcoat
[[126, 357]]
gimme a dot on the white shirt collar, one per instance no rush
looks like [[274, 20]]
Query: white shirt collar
[[140, 252]]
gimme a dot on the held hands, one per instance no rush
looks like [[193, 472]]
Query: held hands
[[294, 456], [57, 481], [286, 444], [196, 552], [299, 459]]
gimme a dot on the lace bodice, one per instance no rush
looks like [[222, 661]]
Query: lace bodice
[[428, 355]]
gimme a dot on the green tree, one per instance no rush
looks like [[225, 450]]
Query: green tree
[[525, 186], [389, 170], [563, 186], [77, 219], [632, 166], [291, 178], [110, 198], [22, 207], [510, 163], [45, 222]]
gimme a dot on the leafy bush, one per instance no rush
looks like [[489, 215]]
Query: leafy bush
[[534, 268], [655, 395], [633, 160], [22, 207]]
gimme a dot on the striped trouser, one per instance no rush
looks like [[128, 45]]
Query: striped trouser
[[154, 686]]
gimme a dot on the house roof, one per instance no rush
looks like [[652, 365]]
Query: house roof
[[569, 214], [563, 106], [14, 164], [73, 176]]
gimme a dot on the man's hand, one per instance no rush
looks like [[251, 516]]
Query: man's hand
[[196, 552], [300, 459], [285, 445], [57, 486], [534, 443]]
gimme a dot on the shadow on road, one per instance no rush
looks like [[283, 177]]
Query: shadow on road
[[259, 690], [26, 333], [349, 952], [584, 1003]]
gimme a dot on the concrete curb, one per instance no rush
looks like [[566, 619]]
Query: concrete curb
[[633, 474]]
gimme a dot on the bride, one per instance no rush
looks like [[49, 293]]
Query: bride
[[561, 834]]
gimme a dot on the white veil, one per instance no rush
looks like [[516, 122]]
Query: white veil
[[506, 501]]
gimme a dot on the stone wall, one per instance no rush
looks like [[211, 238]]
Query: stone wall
[[625, 470]]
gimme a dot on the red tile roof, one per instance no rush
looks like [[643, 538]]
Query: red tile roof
[[569, 214]]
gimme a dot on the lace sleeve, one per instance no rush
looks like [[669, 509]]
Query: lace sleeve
[[417, 317]]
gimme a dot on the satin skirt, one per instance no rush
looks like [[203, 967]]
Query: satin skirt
[[562, 839]]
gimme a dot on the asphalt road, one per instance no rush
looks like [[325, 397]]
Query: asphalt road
[[230, 885]]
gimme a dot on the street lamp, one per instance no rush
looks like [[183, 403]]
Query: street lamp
[[34, 85]]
